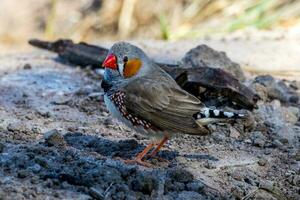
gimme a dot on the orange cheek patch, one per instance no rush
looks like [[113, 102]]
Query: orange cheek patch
[[132, 67]]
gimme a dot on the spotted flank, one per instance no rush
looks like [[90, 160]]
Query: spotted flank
[[118, 99], [214, 113]]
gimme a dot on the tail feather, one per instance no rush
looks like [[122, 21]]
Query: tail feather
[[217, 114]]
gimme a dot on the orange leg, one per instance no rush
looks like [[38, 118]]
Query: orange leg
[[140, 156], [161, 143]]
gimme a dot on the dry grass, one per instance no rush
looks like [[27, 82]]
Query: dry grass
[[159, 19]]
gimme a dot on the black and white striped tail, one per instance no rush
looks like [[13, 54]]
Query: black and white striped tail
[[217, 114]]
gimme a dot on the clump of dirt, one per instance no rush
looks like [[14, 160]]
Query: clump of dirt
[[57, 141]]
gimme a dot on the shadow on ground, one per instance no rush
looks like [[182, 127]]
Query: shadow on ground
[[84, 164]]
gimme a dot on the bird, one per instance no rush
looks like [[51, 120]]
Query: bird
[[148, 100]]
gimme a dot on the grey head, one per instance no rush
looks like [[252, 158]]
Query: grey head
[[125, 62]]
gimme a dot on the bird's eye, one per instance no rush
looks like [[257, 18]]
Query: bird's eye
[[125, 59]]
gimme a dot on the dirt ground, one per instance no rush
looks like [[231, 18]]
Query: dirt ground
[[58, 141]]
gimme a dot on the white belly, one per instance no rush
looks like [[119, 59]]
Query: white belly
[[117, 114]]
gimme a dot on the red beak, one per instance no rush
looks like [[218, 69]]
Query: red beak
[[110, 62]]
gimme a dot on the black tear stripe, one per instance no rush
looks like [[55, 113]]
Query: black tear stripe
[[217, 114]]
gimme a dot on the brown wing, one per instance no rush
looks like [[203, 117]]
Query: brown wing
[[160, 101]]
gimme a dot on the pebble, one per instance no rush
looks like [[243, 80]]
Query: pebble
[[267, 185], [19, 127], [297, 156], [261, 91], [61, 100], [237, 176], [258, 139], [209, 165], [54, 138], [144, 183], [296, 180], [237, 192], [204, 56], [180, 175], [295, 111], [23, 173], [276, 143], [234, 133], [262, 161], [196, 186], [218, 136], [258, 142], [287, 134], [27, 66], [36, 168]]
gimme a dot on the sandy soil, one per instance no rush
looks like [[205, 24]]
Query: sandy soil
[[58, 141]]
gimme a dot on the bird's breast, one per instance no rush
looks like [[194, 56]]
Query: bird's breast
[[116, 106]]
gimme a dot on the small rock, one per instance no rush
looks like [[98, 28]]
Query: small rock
[[264, 195], [277, 89], [264, 80], [234, 133], [54, 138], [108, 121], [218, 136], [237, 192], [18, 127], [267, 185], [293, 99], [258, 142], [35, 168], [44, 112], [173, 186], [23, 173], [144, 183], [297, 156], [209, 165], [258, 139], [248, 141], [268, 151], [237, 175], [180, 175], [295, 85], [204, 56], [294, 111], [61, 100], [287, 134], [276, 143], [261, 91], [196, 186], [41, 161], [262, 161], [181, 160], [296, 180], [27, 66]]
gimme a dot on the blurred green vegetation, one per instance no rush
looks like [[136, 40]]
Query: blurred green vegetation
[[142, 19]]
